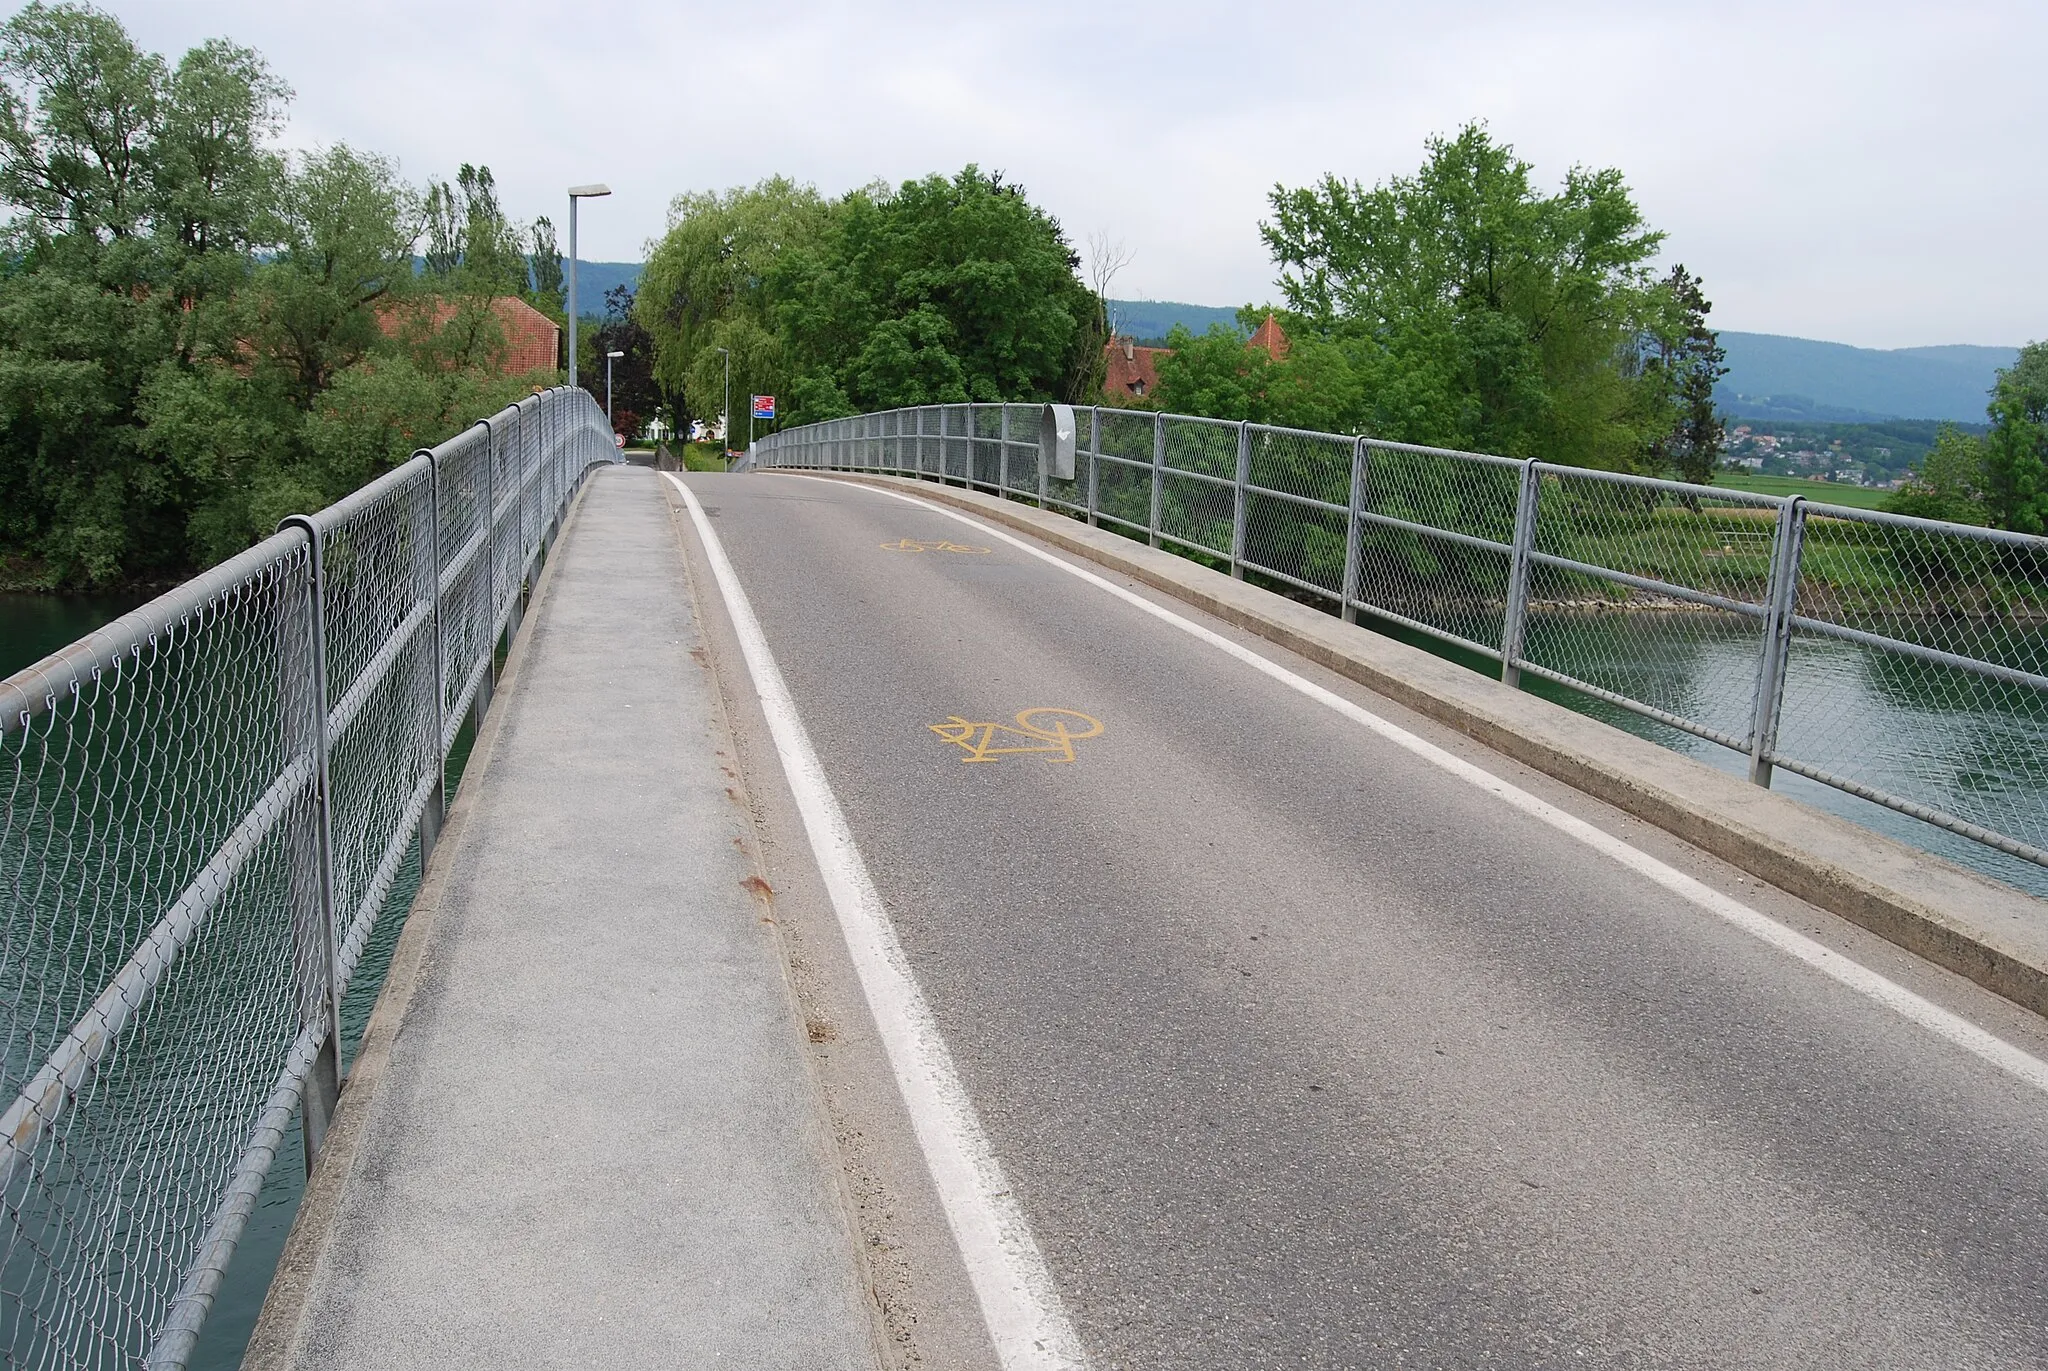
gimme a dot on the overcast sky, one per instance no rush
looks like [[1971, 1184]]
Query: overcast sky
[[1871, 173]]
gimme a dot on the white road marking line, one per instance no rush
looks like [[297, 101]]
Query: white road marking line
[[1019, 1302], [1920, 1010]]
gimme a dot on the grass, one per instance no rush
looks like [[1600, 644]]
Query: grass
[[703, 457], [1821, 492]]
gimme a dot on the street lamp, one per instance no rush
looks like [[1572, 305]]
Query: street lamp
[[576, 193], [725, 412], [608, 386]]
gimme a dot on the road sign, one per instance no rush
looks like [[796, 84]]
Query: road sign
[[764, 407], [619, 439]]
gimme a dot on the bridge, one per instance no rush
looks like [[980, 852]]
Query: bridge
[[950, 896]]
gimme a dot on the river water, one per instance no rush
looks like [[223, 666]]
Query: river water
[[1850, 701], [32, 627]]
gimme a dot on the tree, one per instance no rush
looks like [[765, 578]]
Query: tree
[[547, 269], [197, 334], [1497, 317], [945, 289], [710, 280], [636, 395], [1691, 362], [1950, 483], [2016, 449], [341, 249]]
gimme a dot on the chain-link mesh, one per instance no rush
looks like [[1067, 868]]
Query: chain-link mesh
[[167, 968], [1654, 594], [1804, 635], [1435, 538], [1901, 620], [1297, 501]]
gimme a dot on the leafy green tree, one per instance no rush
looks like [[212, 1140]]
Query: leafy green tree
[[548, 288], [710, 283], [2016, 449], [1506, 319], [341, 251], [1950, 483], [1691, 361], [945, 289], [198, 335]]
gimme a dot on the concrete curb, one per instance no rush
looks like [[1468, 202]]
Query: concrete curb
[[1987, 932], [273, 1344]]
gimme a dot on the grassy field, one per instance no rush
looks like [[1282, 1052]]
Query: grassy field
[[1821, 492]]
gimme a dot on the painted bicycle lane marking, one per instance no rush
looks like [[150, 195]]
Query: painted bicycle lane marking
[[941, 545], [1047, 733]]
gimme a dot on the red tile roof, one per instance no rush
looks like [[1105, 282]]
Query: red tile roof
[[532, 340], [1132, 370], [1270, 339]]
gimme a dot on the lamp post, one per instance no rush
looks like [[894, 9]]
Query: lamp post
[[725, 412], [590, 192], [608, 387]]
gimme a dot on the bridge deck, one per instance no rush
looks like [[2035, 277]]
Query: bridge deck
[[594, 1140], [1301, 1030]]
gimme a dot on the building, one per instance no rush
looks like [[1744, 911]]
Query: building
[[1134, 371], [533, 342]]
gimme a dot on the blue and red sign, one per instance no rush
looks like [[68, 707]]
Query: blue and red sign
[[764, 407]]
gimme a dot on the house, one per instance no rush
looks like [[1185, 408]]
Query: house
[[1134, 370], [533, 342]]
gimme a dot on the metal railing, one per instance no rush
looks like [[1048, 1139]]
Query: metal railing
[[1761, 623], [203, 807]]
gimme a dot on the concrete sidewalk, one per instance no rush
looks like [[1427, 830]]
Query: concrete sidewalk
[[583, 1131]]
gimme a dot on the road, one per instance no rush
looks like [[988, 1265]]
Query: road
[[1299, 1050]]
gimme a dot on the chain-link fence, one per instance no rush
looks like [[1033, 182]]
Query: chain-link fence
[[202, 809], [1792, 632]]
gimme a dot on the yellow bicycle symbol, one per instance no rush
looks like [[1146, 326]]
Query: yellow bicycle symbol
[[1047, 732], [912, 545]]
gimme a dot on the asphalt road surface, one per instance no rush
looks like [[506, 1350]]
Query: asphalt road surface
[[1299, 1051]]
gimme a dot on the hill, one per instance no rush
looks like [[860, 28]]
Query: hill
[[1154, 319], [1800, 379], [593, 279]]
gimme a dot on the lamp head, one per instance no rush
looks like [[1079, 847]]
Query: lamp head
[[589, 192], [615, 354]]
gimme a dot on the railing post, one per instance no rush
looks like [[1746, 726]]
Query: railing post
[[1042, 487], [1003, 451], [967, 471], [436, 808], [1094, 463], [480, 703], [322, 1090], [1244, 480], [1158, 479], [1352, 540], [1788, 547], [1514, 622]]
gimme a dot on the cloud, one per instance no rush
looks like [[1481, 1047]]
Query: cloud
[[1865, 173]]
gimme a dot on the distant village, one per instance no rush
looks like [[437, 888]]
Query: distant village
[[1815, 457]]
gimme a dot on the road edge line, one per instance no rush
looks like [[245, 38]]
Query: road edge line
[[1020, 1305], [1844, 971]]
